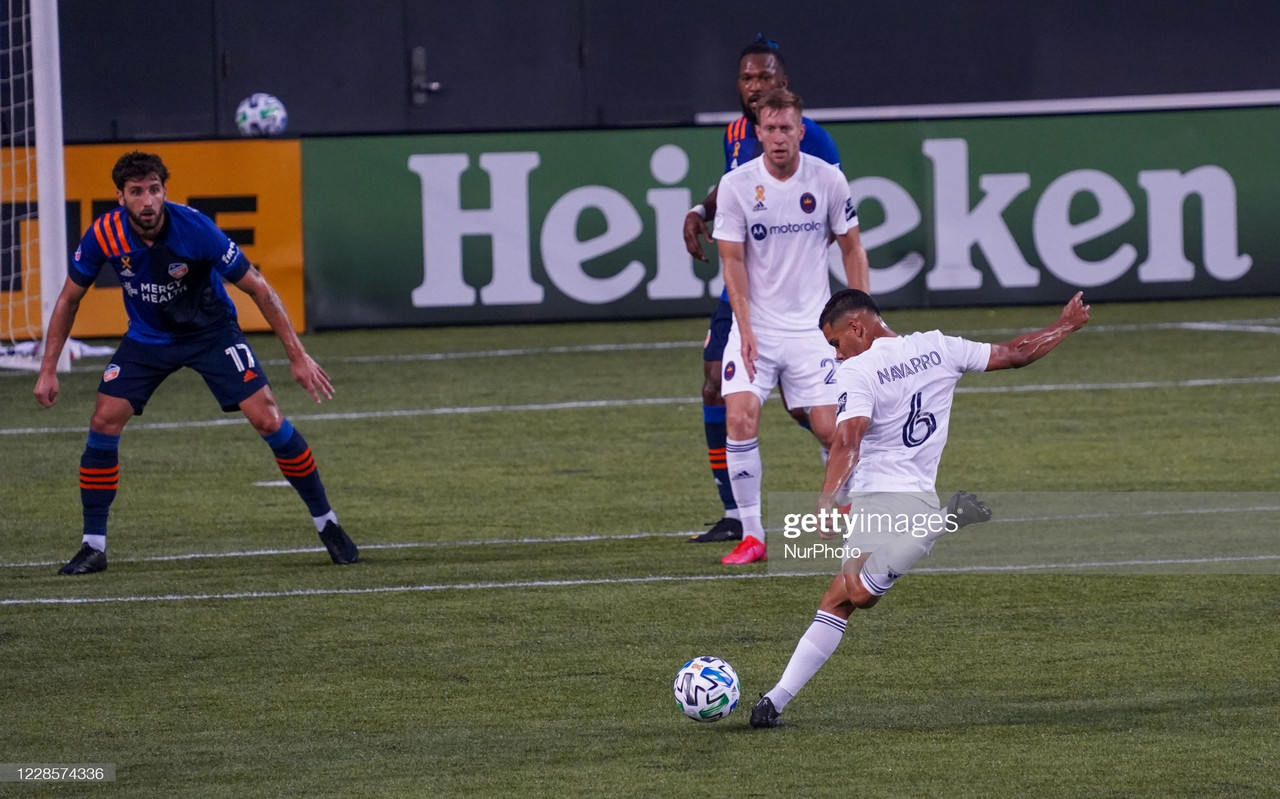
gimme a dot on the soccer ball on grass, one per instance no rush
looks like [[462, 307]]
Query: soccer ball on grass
[[706, 688], [261, 114]]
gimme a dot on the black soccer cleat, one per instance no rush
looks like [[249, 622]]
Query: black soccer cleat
[[87, 561], [967, 509], [724, 530], [341, 549], [764, 714]]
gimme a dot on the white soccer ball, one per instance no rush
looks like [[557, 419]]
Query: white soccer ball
[[706, 688], [261, 114]]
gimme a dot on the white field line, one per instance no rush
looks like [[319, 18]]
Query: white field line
[[638, 402], [575, 539], [478, 542], [1263, 325], [657, 578]]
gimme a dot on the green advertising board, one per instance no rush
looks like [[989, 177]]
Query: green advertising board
[[576, 225]]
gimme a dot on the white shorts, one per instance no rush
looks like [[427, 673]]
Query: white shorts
[[805, 365], [914, 524]]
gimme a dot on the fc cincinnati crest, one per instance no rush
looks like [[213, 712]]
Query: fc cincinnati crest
[[112, 373], [730, 370], [807, 203], [176, 271]]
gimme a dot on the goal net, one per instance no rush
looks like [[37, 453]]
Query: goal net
[[33, 248]]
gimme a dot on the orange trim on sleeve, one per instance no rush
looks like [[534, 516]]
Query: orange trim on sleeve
[[97, 233], [124, 243]]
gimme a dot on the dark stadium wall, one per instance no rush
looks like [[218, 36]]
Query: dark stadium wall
[[156, 70]]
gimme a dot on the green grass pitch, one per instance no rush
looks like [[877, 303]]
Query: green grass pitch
[[525, 595]]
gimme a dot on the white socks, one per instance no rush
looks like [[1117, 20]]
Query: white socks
[[98, 542], [743, 461], [815, 646], [321, 521]]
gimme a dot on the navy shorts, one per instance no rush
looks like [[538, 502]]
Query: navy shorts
[[718, 332], [227, 364]]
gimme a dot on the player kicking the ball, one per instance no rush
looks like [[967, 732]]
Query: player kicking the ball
[[894, 415], [775, 218], [171, 261]]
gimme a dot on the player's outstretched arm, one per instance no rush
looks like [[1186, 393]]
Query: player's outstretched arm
[[842, 460], [306, 371], [695, 225], [55, 338], [1032, 347]]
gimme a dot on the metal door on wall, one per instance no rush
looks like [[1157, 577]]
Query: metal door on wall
[[493, 64]]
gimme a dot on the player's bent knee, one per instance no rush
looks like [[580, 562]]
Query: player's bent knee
[[262, 412], [711, 393], [110, 415]]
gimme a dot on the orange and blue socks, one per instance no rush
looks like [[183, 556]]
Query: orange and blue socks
[[717, 433], [298, 466], [99, 480]]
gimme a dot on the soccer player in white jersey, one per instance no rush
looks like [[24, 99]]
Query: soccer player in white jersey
[[775, 218], [894, 414]]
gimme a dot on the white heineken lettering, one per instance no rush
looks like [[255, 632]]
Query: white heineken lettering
[[1056, 237], [972, 238], [1167, 192], [959, 227], [901, 216], [563, 254], [675, 278], [909, 367], [445, 222]]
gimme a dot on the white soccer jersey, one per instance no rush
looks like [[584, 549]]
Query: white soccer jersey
[[905, 385], [784, 226]]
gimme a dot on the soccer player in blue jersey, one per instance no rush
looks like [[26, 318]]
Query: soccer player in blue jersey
[[171, 261], [760, 68]]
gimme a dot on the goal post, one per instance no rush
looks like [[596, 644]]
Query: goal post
[[34, 244]]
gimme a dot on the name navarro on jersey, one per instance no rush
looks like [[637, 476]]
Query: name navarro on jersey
[[909, 368]]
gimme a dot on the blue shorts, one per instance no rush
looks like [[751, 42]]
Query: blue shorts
[[718, 332], [222, 358]]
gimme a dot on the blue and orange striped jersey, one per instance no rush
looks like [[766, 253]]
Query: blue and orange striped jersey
[[741, 144], [173, 289]]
